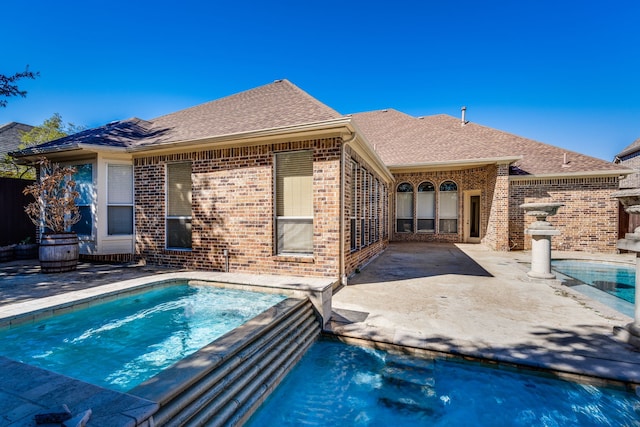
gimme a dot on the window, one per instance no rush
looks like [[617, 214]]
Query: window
[[385, 212], [354, 205], [119, 199], [363, 206], [179, 205], [426, 207], [294, 202], [376, 209], [404, 208], [84, 186], [371, 208], [448, 207]]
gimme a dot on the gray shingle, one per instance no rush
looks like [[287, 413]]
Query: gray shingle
[[401, 139]]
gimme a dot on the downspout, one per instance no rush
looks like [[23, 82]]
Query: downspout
[[343, 275]]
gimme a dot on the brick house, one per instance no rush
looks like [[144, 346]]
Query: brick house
[[630, 158], [272, 181]]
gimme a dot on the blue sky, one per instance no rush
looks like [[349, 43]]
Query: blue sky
[[561, 72]]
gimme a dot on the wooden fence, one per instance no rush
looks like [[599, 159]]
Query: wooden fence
[[14, 223]]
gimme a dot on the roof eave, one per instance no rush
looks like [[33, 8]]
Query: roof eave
[[457, 163], [580, 174], [326, 126]]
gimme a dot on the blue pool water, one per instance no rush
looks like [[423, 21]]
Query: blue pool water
[[121, 343], [340, 385], [615, 279]]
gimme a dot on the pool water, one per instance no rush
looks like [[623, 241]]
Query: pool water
[[615, 279], [335, 384], [121, 343]]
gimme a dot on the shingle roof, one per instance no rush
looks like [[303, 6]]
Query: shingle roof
[[401, 139], [630, 149], [274, 105], [10, 136], [398, 138], [270, 106]]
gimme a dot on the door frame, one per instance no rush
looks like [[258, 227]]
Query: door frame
[[467, 216]]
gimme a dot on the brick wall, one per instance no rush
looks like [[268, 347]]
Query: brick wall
[[587, 222], [497, 230], [232, 202], [631, 161], [482, 178]]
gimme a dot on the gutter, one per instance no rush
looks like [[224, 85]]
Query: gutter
[[343, 274], [470, 162], [327, 125], [584, 174]]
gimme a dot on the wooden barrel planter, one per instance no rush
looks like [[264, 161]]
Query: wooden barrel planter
[[58, 252]]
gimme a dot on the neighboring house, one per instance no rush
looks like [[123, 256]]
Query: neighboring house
[[280, 183], [629, 157], [10, 135]]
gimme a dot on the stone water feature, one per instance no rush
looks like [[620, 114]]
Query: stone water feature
[[541, 231], [630, 200]]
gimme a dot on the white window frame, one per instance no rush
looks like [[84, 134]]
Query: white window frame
[[120, 204], [420, 214], [281, 247], [441, 204], [169, 217]]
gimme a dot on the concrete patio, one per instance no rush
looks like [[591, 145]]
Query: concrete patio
[[465, 299]]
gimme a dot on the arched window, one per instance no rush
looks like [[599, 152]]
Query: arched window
[[426, 200], [404, 208], [448, 207]]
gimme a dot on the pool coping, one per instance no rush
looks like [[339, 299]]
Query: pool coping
[[319, 291]]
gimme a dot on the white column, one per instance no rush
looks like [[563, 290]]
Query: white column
[[541, 253]]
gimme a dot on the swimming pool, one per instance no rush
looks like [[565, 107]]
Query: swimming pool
[[610, 284], [618, 280], [121, 343], [337, 384]]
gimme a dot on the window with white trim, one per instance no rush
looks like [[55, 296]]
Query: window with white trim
[[85, 188], [178, 225], [119, 199], [294, 202], [426, 207], [353, 218], [448, 207], [363, 207], [404, 208]]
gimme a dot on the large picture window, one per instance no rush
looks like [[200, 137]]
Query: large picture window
[[448, 207], [294, 202], [426, 207], [178, 206], [119, 199], [404, 208]]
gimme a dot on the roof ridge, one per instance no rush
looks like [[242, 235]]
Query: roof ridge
[[305, 93]]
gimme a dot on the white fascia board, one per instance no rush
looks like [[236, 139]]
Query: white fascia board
[[458, 163], [584, 174]]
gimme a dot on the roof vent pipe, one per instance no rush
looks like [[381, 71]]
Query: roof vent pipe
[[464, 115]]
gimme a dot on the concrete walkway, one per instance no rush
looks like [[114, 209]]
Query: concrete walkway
[[466, 299]]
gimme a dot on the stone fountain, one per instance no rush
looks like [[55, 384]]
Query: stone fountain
[[541, 231], [630, 200]]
